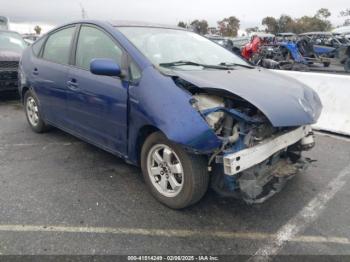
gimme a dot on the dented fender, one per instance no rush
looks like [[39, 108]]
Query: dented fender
[[156, 101]]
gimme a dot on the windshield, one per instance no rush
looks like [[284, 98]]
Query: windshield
[[11, 41], [162, 46]]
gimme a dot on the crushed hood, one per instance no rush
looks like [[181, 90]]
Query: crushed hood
[[283, 100]]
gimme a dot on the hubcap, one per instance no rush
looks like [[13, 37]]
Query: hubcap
[[165, 170], [32, 111]]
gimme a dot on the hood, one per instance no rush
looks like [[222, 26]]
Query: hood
[[283, 100], [7, 55]]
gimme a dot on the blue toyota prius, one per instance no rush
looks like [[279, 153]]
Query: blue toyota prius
[[186, 110]]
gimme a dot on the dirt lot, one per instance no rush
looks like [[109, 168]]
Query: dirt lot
[[60, 195]]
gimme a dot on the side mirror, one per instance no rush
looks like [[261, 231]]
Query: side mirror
[[105, 67]]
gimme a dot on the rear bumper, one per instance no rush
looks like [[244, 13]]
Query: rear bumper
[[242, 160]]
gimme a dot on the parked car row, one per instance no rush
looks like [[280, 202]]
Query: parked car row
[[293, 52]]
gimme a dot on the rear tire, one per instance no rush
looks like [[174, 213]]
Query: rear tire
[[163, 161], [33, 113]]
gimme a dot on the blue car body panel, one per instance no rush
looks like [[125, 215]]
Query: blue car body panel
[[321, 50], [111, 112], [294, 51]]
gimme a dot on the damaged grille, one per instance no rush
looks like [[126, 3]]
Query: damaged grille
[[8, 75], [8, 65]]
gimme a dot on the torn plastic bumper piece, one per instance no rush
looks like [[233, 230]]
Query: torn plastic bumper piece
[[239, 161]]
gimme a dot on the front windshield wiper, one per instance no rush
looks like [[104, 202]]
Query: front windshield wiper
[[190, 63], [234, 64]]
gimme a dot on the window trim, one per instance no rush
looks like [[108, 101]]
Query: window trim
[[74, 26], [41, 47]]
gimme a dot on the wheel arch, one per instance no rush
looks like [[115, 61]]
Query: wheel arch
[[142, 135], [24, 90]]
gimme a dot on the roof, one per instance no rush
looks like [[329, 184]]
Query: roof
[[117, 23]]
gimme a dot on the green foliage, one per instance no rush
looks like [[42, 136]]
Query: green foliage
[[182, 24], [37, 30], [323, 13], [200, 26], [229, 26], [285, 23], [271, 24], [346, 13], [252, 29]]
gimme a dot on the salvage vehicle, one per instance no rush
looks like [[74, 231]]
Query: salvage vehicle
[[280, 53], [11, 47], [335, 47], [225, 42], [185, 109]]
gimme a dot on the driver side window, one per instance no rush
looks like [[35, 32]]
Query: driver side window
[[94, 43]]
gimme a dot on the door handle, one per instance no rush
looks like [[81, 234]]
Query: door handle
[[72, 84], [35, 71]]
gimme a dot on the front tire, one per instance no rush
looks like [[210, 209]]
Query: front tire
[[175, 178], [33, 113]]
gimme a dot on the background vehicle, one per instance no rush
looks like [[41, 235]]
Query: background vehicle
[[30, 38], [4, 23], [225, 42], [11, 47], [174, 103], [333, 46]]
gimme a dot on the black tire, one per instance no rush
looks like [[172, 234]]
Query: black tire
[[40, 126], [195, 173], [347, 65]]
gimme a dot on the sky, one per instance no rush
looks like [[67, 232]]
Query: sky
[[25, 14]]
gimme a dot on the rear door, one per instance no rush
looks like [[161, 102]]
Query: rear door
[[49, 73], [97, 105]]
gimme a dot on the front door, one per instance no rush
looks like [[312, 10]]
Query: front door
[[97, 105]]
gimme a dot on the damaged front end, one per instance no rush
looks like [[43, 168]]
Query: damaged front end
[[256, 158]]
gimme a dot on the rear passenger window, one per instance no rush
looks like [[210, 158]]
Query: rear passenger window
[[57, 47], [94, 43]]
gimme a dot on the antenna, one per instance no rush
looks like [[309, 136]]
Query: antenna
[[83, 12]]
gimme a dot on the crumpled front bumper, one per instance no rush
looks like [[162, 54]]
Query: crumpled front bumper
[[237, 162]]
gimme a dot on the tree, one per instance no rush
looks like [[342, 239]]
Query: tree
[[229, 26], [37, 30], [271, 24], [182, 24], [252, 29], [308, 23], [346, 13], [286, 24], [323, 13], [200, 26]]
